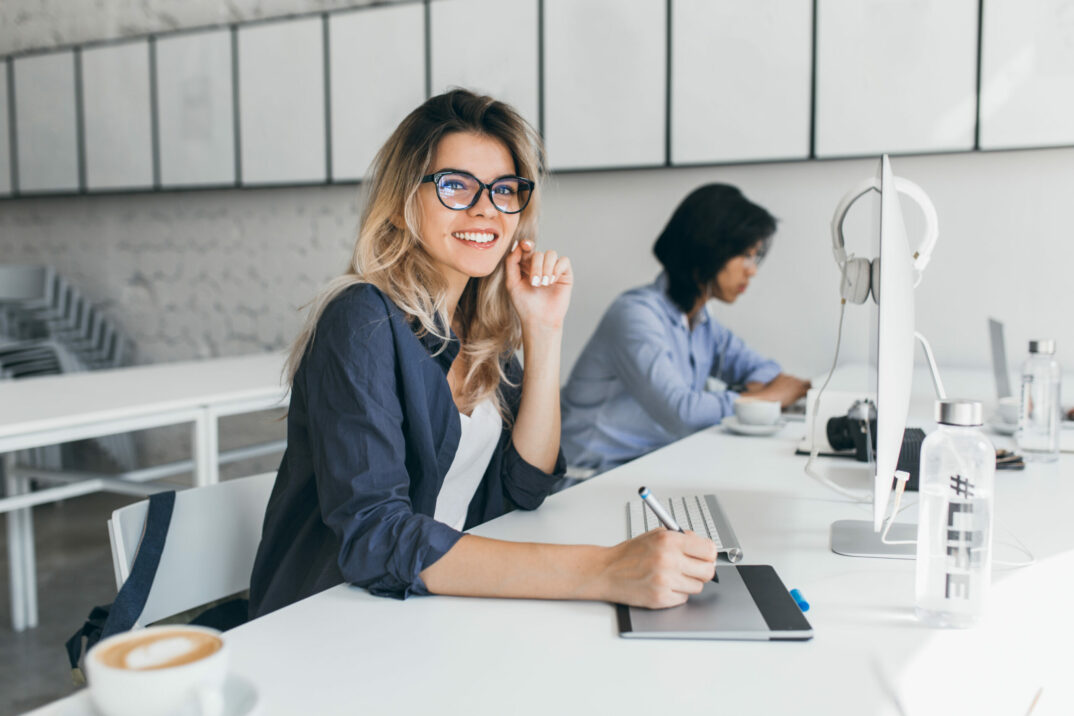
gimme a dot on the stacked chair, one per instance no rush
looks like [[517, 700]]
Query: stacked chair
[[48, 327]]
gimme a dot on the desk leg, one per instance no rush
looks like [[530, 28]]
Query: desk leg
[[20, 537], [29, 558], [212, 434], [206, 449]]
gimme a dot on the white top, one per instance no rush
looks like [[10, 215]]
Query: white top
[[480, 434]]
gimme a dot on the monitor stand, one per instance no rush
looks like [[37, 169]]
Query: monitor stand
[[856, 538]]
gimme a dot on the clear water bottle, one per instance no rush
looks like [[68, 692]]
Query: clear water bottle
[[954, 529], [1038, 421]]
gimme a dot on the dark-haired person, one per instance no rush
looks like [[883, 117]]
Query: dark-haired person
[[640, 382]]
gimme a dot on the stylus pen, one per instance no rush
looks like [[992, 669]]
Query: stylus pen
[[658, 510], [665, 519]]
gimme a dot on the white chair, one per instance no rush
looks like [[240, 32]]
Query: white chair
[[210, 548], [31, 286]]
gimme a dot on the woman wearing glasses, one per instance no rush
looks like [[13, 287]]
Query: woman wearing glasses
[[640, 382], [411, 419]]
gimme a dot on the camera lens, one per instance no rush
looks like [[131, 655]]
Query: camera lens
[[840, 436]]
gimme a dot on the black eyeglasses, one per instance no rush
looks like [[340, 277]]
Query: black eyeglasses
[[753, 259], [459, 190]]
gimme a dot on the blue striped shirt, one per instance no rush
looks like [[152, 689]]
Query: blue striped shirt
[[639, 383]]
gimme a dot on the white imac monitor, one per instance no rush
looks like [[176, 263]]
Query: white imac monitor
[[894, 275], [893, 286]]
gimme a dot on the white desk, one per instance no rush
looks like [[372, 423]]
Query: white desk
[[62, 408], [344, 651]]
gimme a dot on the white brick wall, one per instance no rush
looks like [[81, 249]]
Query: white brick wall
[[191, 274]]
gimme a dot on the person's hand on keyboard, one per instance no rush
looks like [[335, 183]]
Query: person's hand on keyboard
[[784, 388], [659, 569]]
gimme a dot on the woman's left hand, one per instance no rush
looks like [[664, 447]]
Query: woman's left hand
[[539, 283]]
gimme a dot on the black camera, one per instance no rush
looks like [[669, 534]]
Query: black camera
[[855, 431]]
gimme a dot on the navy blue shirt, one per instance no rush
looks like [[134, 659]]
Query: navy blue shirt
[[371, 432]]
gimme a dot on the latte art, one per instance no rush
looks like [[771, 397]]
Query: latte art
[[159, 650]]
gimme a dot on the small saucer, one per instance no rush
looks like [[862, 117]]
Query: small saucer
[[240, 699], [734, 425], [1001, 427]]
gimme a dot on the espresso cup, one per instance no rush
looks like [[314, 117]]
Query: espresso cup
[[158, 671], [754, 411], [1008, 409]]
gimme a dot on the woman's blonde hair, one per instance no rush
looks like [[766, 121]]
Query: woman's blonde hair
[[392, 257]]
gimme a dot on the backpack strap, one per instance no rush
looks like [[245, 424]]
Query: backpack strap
[[104, 621]]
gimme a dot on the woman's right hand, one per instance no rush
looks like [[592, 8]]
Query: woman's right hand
[[659, 569], [539, 283]]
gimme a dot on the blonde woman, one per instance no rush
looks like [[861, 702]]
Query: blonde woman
[[410, 418]]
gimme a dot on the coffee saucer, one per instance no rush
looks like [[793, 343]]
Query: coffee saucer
[[240, 699], [1001, 427], [732, 424]]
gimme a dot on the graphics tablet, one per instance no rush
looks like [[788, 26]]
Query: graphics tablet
[[749, 602]]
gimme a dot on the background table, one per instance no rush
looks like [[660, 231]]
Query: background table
[[62, 408]]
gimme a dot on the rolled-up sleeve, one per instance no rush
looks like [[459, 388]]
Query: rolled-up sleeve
[[739, 364], [641, 360], [359, 458], [526, 485]]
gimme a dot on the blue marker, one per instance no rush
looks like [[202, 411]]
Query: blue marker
[[802, 603]]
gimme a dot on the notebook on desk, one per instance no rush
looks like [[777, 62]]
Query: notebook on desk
[[749, 602]]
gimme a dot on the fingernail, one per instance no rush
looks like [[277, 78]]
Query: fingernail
[[554, 277], [513, 245], [536, 281], [546, 280]]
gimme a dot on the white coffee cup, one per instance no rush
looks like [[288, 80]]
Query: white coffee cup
[[1008, 409], [158, 671], [754, 411]]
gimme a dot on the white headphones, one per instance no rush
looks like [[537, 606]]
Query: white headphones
[[862, 276]]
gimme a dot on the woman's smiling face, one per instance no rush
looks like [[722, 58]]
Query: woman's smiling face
[[469, 243]]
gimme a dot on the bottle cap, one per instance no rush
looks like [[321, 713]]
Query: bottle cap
[[959, 412], [1042, 345]]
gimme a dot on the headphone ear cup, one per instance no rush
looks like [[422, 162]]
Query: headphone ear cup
[[856, 281], [874, 279]]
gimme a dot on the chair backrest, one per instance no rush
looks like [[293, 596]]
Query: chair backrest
[[210, 549], [24, 283]]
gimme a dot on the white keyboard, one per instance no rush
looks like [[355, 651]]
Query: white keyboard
[[698, 513]]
